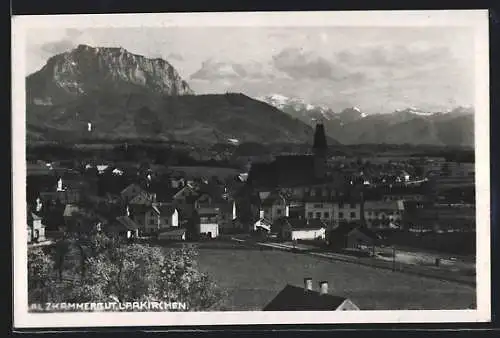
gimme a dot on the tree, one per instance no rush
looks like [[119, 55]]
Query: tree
[[40, 276], [139, 272]]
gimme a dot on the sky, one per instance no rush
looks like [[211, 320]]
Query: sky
[[377, 69]]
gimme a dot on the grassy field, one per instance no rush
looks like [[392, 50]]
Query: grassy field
[[253, 277]]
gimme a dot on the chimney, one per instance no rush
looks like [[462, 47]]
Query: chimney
[[308, 284], [234, 210], [261, 214], [323, 287]]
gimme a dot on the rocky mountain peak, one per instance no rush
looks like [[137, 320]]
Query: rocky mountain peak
[[86, 68]]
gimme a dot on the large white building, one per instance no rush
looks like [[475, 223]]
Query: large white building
[[333, 211], [302, 229]]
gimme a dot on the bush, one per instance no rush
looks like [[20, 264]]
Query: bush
[[127, 272]]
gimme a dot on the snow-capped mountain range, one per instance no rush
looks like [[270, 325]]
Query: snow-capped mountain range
[[296, 106], [301, 107], [410, 125]]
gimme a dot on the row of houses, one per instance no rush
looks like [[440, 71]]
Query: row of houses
[[275, 205]]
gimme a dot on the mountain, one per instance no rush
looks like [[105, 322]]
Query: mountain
[[410, 125], [84, 69], [92, 93], [298, 109], [198, 119]]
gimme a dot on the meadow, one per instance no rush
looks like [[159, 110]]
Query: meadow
[[253, 277]]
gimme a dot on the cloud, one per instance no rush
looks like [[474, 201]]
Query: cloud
[[214, 70], [69, 41], [175, 56], [73, 33], [395, 55], [299, 65], [57, 47]]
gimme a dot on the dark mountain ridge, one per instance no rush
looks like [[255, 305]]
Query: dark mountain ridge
[[191, 118]]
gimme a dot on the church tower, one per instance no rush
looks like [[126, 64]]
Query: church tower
[[320, 149]]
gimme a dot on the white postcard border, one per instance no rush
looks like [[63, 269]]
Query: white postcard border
[[476, 19]]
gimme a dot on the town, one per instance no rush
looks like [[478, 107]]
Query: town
[[312, 201]]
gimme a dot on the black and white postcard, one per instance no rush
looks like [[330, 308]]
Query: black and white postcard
[[251, 168]]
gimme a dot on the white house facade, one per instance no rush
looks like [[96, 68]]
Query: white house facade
[[333, 211], [383, 214]]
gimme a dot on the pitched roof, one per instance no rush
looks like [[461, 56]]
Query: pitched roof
[[184, 189], [285, 170], [128, 190], [262, 220], [127, 223], [70, 210], [31, 216], [347, 228], [214, 191], [293, 298], [164, 208], [165, 193], [271, 199], [142, 198], [344, 229], [304, 224]]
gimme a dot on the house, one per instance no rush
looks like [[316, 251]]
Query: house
[[209, 222], [262, 224], [71, 214], [319, 210], [132, 191], [300, 229], [205, 200], [228, 216], [186, 194], [294, 298], [35, 227], [144, 198], [123, 226], [172, 234], [421, 217], [332, 203], [64, 197], [333, 212], [177, 182], [155, 217], [383, 214], [396, 192], [216, 197], [273, 206], [296, 209], [352, 236]]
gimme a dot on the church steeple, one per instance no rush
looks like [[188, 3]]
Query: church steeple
[[319, 142], [319, 149]]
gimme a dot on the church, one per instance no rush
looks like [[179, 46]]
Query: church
[[288, 171]]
